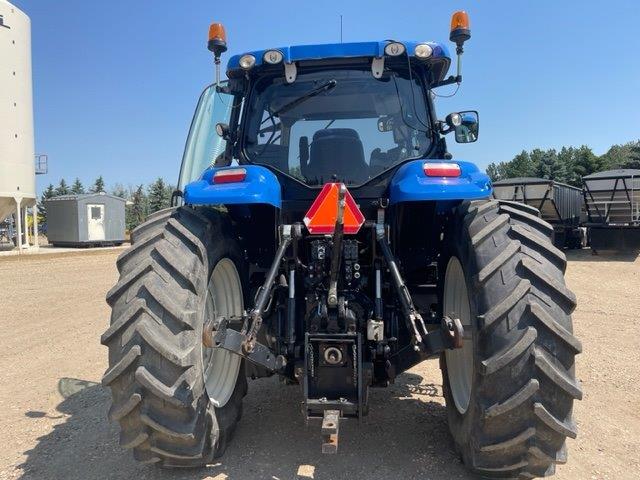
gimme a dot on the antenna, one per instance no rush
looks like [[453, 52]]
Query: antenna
[[340, 28]]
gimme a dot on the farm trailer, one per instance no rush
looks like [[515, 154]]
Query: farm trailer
[[612, 205], [559, 204]]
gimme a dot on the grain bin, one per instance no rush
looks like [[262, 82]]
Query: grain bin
[[612, 205], [559, 204], [17, 176], [94, 219]]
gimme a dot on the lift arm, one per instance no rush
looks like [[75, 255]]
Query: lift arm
[[451, 331], [216, 333]]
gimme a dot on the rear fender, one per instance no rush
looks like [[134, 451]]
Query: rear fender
[[411, 184], [260, 186]]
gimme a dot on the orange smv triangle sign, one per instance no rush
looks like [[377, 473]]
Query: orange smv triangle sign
[[321, 217]]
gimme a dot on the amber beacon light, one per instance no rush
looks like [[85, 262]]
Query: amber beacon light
[[460, 31], [218, 45], [217, 39]]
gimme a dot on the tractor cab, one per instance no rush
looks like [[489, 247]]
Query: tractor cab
[[349, 113]]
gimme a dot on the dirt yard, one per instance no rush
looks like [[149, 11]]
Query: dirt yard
[[53, 423]]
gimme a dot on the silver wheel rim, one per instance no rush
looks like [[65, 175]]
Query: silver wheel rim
[[459, 361], [224, 298]]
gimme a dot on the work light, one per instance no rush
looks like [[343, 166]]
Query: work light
[[394, 49], [423, 50], [247, 61], [273, 56]]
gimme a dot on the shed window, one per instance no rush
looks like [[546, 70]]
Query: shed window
[[95, 213]]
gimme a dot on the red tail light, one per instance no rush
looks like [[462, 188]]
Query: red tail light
[[441, 169], [230, 175]]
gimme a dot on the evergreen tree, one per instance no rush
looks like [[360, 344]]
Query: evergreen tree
[[77, 188], [42, 209], [568, 165], [169, 191], [521, 166], [586, 162], [567, 158], [63, 188], [98, 185], [634, 157], [120, 191], [548, 165], [622, 156], [497, 171], [136, 209], [159, 196]]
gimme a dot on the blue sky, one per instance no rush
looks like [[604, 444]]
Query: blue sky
[[116, 82]]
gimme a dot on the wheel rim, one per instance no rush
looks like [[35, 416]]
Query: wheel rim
[[459, 361], [224, 298]]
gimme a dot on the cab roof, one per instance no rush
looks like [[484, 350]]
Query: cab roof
[[439, 60]]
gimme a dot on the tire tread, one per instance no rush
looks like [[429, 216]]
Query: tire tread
[[523, 320], [153, 371]]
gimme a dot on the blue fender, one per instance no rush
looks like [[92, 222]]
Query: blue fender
[[411, 184], [259, 186]]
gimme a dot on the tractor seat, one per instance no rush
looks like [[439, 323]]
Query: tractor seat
[[339, 152]]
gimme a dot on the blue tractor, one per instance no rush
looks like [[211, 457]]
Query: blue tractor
[[321, 231]]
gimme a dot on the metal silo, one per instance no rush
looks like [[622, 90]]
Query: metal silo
[[17, 175]]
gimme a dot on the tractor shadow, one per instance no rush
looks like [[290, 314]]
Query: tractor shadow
[[404, 436]]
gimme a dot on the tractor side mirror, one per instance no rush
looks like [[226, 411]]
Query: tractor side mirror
[[465, 125], [467, 130]]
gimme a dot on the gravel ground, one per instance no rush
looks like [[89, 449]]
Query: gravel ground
[[54, 426]]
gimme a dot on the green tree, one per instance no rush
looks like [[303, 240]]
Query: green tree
[[622, 156], [77, 188], [634, 157], [547, 164], [566, 157], [586, 162], [169, 189], [98, 185], [48, 193], [159, 195], [496, 171], [63, 188], [136, 210], [119, 190], [567, 165], [522, 165]]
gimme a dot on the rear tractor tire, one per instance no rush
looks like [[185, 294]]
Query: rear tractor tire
[[510, 389], [177, 401]]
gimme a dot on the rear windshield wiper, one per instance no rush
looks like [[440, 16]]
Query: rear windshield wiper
[[325, 87]]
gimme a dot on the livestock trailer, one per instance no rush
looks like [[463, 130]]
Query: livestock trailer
[[559, 204], [612, 205], [94, 219]]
